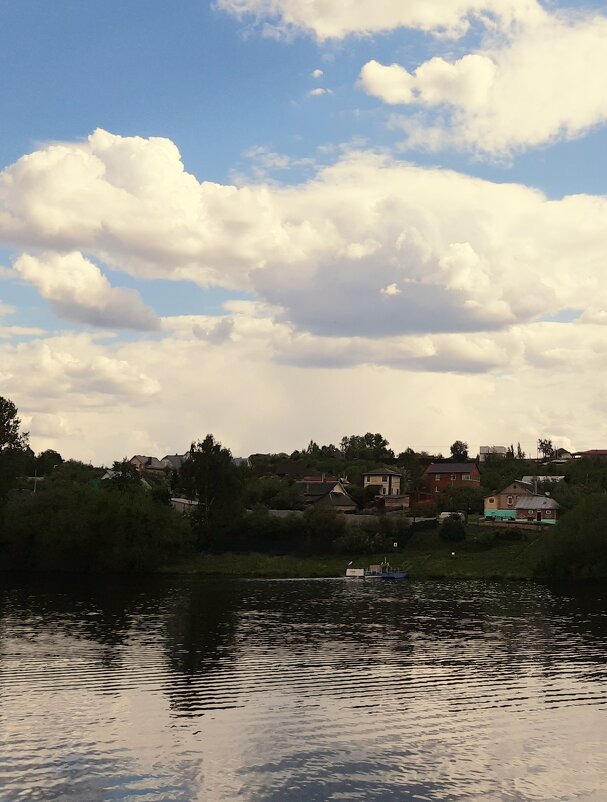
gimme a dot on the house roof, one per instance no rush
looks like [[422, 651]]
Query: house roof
[[514, 487], [174, 460], [593, 452], [451, 467], [337, 500], [149, 462], [316, 488], [531, 479], [382, 472], [537, 503]]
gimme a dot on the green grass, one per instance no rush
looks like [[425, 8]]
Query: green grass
[[485, 554]]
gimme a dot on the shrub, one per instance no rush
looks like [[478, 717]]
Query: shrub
[[452, 529]]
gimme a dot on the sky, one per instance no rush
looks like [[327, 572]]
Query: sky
[[284, 220]]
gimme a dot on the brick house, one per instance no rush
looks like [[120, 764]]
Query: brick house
[[444, 475]]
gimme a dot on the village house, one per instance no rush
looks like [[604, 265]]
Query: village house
[[384, 481], [540, 480], [324, 493], [150, 465], [502, 506], [537, 509], [173, 462], [495, 451], [444, 475]]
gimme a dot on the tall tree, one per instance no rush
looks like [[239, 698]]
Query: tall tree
[[544, 446], [210, 477], [11, 436], [459, 450], [366, 446]]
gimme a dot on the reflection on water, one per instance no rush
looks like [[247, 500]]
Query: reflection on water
[[191, 689]]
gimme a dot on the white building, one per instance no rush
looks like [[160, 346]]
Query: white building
[[497, 451]]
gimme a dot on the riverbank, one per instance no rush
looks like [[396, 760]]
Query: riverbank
[[485, 554]]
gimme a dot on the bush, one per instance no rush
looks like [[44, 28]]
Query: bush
[[452, 529], [66, 526], [577, 546]]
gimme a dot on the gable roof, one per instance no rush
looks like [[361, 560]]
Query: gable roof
[[451, 467], [382, 472], [150, 463], [537, 503], [173, 460], [316, 488], [337, 500]]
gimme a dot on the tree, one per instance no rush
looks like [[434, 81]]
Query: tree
[[11, 436], [210, 477], [545, 448], [459, 450], [47, 460], [366, 446], [577, 547], [520, 454]]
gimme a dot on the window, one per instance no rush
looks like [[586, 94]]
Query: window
[[383, 491], [547, 513], [466, 476], [437, 478], [453, 477], [384, 478], [491, 501], [509, 500], [437, 490]]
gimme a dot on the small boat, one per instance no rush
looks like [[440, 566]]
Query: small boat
[[383, 571]]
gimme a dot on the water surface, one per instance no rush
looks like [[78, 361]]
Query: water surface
[[289, 691]]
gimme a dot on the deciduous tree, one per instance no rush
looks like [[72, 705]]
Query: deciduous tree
[[459, 450], [210, 477], [11, 436]]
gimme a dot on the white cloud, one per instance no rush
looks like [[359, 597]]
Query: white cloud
[[335, 19], [317, 74], [391, 289], [546, 81], [319, 91], [457, 248], [101, 401], [78, 291]]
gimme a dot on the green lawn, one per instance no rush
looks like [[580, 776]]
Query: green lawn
[[485, 554]]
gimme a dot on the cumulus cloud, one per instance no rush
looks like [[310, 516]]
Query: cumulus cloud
[[319, 91], [317, 73], [545, 81], [335, 19], [502, 386], [78, 291], [320, 252]]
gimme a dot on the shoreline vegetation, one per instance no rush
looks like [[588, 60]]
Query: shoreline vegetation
[[508, 554], [61, 516]]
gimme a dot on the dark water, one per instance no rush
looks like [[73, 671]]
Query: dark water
[[190, 689]]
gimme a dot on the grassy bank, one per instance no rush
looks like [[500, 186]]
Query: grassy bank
[[485, 554]]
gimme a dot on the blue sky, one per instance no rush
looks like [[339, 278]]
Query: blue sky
[[451, 271]]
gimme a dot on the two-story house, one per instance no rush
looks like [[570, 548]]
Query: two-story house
[[443, 475], [384, 481]]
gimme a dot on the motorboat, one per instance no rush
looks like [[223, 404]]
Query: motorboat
[[383, 571]]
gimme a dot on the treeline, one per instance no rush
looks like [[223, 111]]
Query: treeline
[[57, 515]]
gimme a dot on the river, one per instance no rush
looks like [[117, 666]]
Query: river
[[183, 688]]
